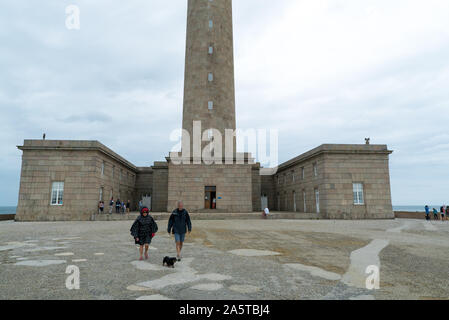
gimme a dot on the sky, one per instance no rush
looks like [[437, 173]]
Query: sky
[[318, 71]]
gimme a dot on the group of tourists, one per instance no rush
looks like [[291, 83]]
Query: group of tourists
[[441, 215], [145, 228], [120, 206]]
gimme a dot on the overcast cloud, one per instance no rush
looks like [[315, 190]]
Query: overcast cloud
[[319, 71]]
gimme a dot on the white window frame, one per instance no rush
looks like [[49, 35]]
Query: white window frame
[[317, 200], [315, 169], [57, 187], [358, 192]]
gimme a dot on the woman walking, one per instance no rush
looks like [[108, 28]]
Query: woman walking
[[143, 231]]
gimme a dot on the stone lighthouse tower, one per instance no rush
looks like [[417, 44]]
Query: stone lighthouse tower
[[209, 91], [209, 102]]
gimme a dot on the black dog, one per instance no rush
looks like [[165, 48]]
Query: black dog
[[169, 262]]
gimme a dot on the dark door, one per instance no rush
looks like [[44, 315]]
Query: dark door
[[210, 198]]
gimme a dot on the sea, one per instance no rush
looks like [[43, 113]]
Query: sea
[[8, 210], [415, 208]]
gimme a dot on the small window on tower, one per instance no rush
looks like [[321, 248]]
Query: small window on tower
[[210, 105], [211, 24], [210, 134], [210, 77], [211, 50]]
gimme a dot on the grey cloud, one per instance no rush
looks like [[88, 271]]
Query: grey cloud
[[119, 80]]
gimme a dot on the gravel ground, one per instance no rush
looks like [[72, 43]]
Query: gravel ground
[[234, 259]]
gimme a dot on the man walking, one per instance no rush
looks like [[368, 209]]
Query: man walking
[[178, 224]]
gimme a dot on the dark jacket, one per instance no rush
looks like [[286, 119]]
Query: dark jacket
[[143, 227], [179, 222]]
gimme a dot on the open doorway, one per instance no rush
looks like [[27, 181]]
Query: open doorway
[[210, 198], [264, 201], [146, 201]]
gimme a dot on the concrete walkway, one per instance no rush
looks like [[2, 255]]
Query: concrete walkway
[[228, 259]]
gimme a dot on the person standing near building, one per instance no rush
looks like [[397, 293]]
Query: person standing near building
[[427, 213], [101, 207], [117, 206], [443, 211], [128, 205], [435, 214], [140, 205], [111, 204], [178, 224], [265, 213]]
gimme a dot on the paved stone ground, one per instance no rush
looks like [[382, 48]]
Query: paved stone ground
[[233, 259]]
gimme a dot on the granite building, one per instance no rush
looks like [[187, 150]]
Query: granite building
[[65, 180]]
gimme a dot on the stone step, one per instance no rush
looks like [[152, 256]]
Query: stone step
[[212, 216]]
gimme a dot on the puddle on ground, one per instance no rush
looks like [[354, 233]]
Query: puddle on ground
[[39, 263]]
